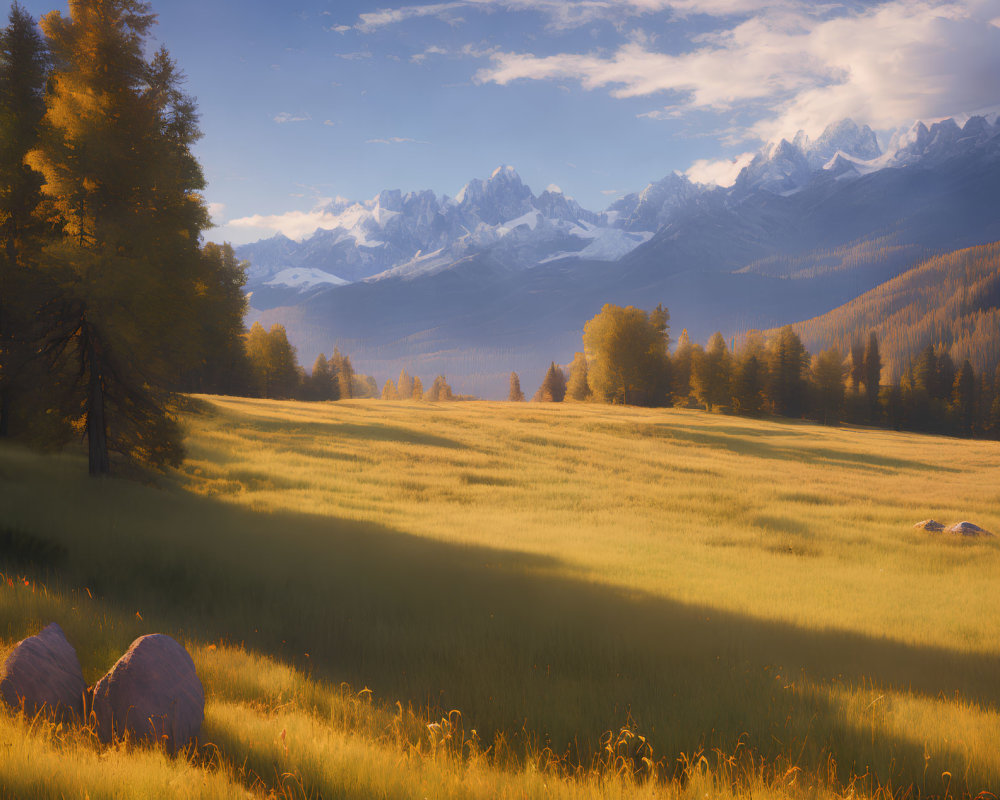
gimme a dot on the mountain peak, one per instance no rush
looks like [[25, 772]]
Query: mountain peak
[[505, 171]]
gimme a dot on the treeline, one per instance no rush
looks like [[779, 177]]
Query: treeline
[[409, 387], [108, 300], [271, 370], [627, 359], [951, 301]]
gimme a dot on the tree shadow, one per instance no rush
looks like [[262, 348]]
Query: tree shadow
[[746, 442], [514, 640]]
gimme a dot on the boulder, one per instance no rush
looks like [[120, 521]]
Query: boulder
[[930, 525], [152, 692], [968, 529], [43, 671]]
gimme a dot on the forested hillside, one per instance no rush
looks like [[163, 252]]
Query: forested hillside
[[951, 301]]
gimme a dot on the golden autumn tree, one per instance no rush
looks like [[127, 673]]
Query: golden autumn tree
[[625, 352], [121, 186]]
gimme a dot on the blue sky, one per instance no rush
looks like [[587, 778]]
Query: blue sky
[[306, 101]]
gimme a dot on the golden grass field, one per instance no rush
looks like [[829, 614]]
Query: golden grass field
[[475, 599]]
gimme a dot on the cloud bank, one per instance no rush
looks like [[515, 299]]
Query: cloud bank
[[793, 69]]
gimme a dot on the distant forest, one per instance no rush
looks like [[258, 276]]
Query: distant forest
[[951, 302]]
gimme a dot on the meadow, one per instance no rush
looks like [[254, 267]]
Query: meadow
[[523, 600]]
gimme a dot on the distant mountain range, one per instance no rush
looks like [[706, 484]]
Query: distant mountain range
[[499, 279]]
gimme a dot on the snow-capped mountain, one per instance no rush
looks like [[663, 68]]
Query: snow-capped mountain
[[417, 233], [786, 167], [498, 278]]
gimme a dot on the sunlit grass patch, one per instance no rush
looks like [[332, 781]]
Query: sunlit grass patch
[[716, 584]]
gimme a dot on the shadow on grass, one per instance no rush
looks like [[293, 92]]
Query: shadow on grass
[[756, 444], [506, 637]]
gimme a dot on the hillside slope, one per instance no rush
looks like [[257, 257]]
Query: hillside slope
[[950, 301]]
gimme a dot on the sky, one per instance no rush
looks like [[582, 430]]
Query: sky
[[306, 101]]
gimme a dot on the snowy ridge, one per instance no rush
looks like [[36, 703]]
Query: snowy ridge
[[414, 234]]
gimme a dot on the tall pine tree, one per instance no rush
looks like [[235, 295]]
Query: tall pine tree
[[23, 69], [122, 185]]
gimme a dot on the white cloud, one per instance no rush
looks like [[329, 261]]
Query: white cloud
[[884, 65], [215, 211], [566, 14], [722, 172], [390, 16], [293, 224], [395, 140], [329, 123], [285, 117], [433, 50]]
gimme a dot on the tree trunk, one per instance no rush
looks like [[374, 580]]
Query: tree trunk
[[97, 430]]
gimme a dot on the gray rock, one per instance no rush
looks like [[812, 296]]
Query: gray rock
[[43, 671], [968, 529], [151, 693], [930, 525]]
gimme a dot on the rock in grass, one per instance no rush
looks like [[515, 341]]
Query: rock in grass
[[151, 693], [968, 529], [930, 525], [43, 671]]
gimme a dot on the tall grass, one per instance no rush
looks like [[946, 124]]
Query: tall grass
[[706, 584]]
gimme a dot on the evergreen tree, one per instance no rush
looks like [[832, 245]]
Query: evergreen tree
[[963, 398], [680, 364], [322, 384], [858, 364], [872, 375], [787, 385], [577, 388], [273, 363], [828, 380], [122, 185], [341, 366], [515, 395], [749, 385], [220, 364], [553, 388], [711, 374], [23, 69], [404, 386]]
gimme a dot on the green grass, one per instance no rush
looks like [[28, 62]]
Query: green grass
[[717, 584]]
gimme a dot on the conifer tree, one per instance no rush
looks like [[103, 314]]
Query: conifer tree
[[23, 69], [963, 398], [872, 375], [857, 364], [787, 384], [341, 365], [122, 185], [680, 364], [417, 393], [515, 395], [577, 388], [828, 379], [219, 363], [322, 382], [404, 386], [553, 387], [711, 374], [748, 385]]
